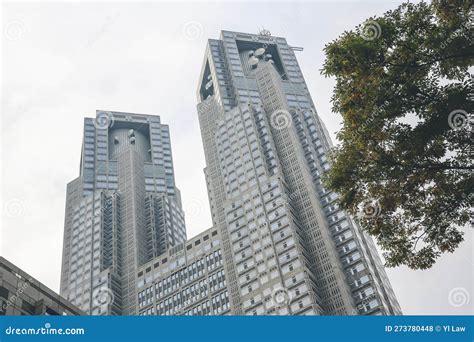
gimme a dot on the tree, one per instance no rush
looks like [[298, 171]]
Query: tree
[[404, 162]]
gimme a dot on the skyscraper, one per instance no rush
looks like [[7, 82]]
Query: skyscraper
[[279, 244], [287, 247], [121, 212]]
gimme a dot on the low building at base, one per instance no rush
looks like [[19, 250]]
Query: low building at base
[[22, 295]]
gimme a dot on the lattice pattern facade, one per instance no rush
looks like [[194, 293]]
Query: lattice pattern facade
[[123, 211], [265, 151]]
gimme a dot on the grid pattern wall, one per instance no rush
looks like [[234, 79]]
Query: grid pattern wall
[[264, 244], [330, 282], [210, 112], [350, 276], [124, 202], [188, 280]]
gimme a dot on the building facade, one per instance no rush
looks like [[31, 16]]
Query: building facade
[[187, 280], [121, 212], [279, 244], [287, 247], [23, 295]]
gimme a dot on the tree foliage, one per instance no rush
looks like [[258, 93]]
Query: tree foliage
[[404, 162]]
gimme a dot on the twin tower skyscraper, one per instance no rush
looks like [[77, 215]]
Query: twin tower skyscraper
[[279, 244]]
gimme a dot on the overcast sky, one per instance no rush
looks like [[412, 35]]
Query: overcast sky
[[62, 61]]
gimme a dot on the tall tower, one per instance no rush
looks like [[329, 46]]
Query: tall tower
[[121, 212], [287, 247]]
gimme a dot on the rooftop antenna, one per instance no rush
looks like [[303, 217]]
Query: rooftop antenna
[[264, 32]]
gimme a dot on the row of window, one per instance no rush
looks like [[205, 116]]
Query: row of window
[[217, 305], [189, 273], [189, 295]]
